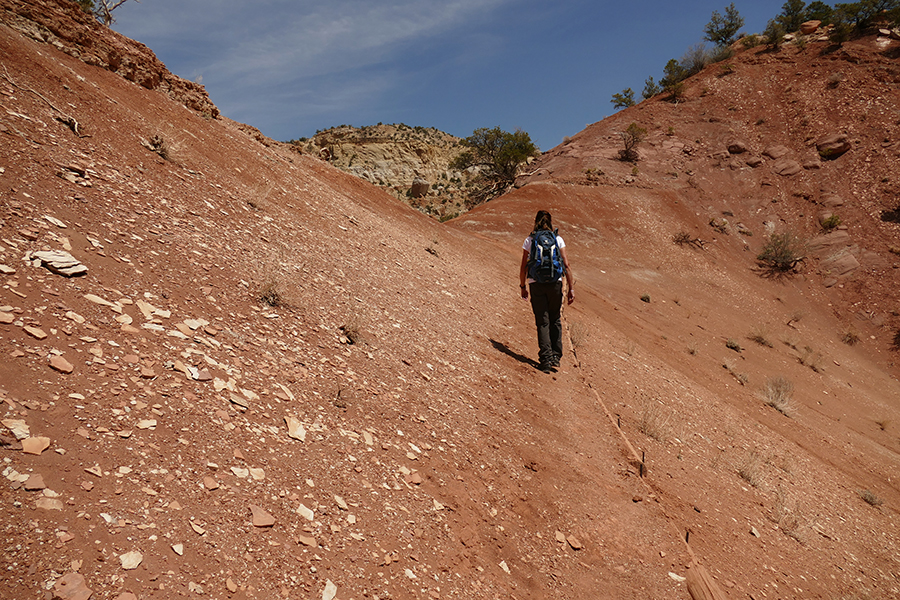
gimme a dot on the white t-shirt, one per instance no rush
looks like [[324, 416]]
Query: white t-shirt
[[527, 248]]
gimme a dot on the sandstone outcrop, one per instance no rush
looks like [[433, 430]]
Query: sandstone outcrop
[[69, 29], [412, 163]]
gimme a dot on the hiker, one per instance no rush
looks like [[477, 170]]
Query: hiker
[[544, 262]]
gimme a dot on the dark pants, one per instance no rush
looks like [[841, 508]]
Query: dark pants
[[546, 302]]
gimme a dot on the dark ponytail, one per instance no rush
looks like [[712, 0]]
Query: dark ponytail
[[543, 221]]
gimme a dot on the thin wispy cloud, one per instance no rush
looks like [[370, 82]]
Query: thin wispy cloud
[[257, 41], [290, 67]]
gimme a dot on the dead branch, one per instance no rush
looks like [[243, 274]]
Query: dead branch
[[104, 11], [64, 118]]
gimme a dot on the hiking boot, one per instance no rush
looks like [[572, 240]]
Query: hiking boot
[[554, 362], [546, 368]]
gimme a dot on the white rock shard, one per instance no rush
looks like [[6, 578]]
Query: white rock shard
[[61, 263], [131, 560], [330, 591]]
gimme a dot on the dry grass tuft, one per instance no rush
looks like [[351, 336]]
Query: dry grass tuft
[[351, 331], [578, 334], [789, 517], [812, 359], [760, 335], [870, 498], [778, 393], [850, 337], [750, 469], [741, 377], [655, 420], [270, 295]]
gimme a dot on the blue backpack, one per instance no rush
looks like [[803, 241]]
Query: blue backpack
[[545, 263]]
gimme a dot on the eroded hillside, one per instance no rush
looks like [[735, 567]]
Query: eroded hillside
[[277, 380], [410, 163]]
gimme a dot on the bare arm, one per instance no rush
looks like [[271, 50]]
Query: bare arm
[[570, 278], [523, 274]]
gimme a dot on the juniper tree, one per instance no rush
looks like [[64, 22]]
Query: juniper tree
[[721, 30], [623, 99], [673, 76], [819, 11], [497, 154], [792, 16], [650, 88]]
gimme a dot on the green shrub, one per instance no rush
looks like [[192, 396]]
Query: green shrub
[[672, 82], [633, 135], [832, 222], [721, 53], [774, 34], [750, 41], [819, 11], [792, 15], [782, 253]]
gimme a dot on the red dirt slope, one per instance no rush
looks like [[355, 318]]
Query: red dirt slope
[[382, 432]]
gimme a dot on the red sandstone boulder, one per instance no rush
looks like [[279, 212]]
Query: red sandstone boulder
[[810, 27], [832, 146]]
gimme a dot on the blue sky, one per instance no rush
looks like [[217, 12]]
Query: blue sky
[[292, 67]]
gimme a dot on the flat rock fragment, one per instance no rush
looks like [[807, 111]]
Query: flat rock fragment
[[71, 586], [35, 445], [131, 560], [330, 590], [261, 518], [306, 512], [35, 332], [58, 363], [61, 262], [34, 482], [295, 428], [44, 503], [18, 427]]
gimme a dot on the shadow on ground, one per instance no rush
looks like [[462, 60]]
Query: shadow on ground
[[500, 346]]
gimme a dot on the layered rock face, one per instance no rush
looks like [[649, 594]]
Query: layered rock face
[[413, 163]]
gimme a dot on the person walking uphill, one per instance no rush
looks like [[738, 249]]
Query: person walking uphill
[[544, 262]]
